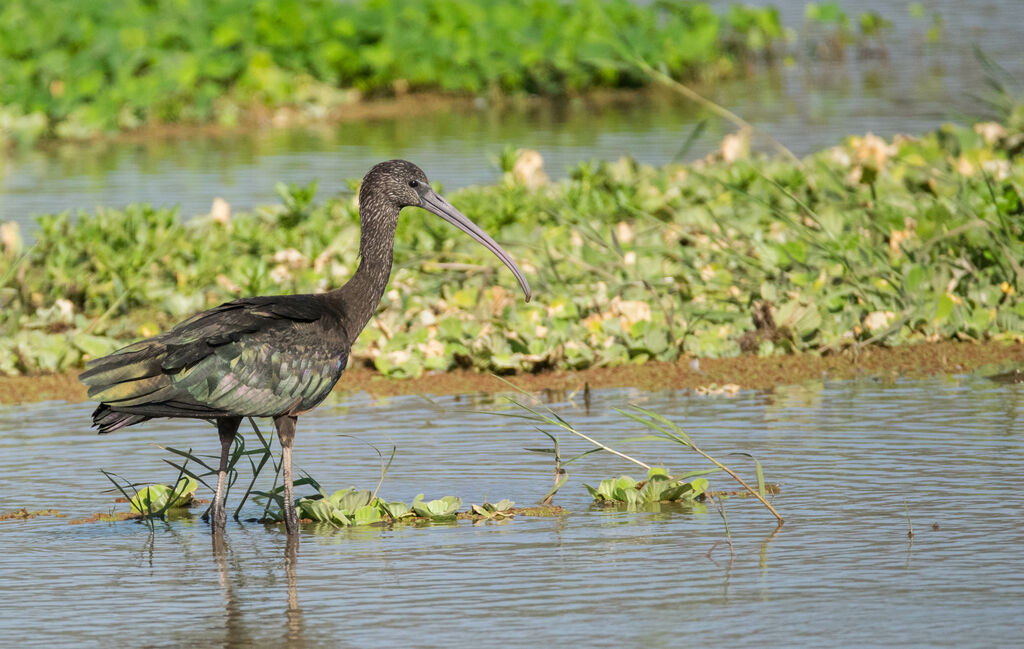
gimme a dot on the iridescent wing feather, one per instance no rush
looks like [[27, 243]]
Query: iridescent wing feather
[[254, 357]]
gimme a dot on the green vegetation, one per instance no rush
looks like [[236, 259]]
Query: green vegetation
[[659, 487], [342, 508], [869, 243], [160, 497], [828, 31], [493, 511], [76, 69], [437, 510], [353, 507], [156, 500]]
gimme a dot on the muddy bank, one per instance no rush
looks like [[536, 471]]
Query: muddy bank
[[403, 106], [747, 372]]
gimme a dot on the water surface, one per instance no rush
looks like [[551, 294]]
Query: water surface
[[809, 105], [848, 456]]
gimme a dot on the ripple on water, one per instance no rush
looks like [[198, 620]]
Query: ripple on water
[[842, 571]]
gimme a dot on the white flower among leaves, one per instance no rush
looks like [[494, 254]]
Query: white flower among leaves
[[878, 320]]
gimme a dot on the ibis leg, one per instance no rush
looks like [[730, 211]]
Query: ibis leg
[[286, 433], [227, 427]]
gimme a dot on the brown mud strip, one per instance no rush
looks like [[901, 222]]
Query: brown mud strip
[[746, 372]]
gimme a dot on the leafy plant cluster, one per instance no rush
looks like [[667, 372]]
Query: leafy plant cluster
[[659, 487], [75, 69], [827, 26], [872, 242], [342, 508], [352, 507], [155, 499], [348, 507]]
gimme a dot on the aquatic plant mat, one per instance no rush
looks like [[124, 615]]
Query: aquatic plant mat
[[868, 244], [353, 507], [476, 514], [746, 372]]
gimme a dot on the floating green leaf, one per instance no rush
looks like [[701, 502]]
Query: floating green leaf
[[368, 515], [442, 509], [395, 510], [157, 498], [322, 510]]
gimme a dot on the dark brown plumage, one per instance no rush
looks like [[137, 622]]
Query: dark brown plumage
[[276, 356]]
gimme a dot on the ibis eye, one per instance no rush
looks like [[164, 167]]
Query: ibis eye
[[414, 183]]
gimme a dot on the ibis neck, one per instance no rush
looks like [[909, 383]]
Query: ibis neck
[[359, 297]]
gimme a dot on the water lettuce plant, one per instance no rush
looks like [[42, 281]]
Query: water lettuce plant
[[659, 487], [658, 484], [494, 511], [442, 509], [347, 507], [871, 242], [342, 508], [156, 498], [395, 510]]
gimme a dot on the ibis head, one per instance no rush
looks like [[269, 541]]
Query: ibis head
[[402, 184]]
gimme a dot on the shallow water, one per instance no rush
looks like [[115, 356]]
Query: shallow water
[[807, 106], [841, 572]]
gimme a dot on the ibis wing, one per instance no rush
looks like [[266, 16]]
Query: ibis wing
[[256, 357]]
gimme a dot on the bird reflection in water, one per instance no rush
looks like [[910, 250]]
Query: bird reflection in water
[[294, 630], [236, 631]]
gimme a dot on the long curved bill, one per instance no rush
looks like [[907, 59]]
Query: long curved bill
[[434, 202]]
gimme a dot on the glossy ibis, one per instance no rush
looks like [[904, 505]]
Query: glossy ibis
[[276, 356]]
